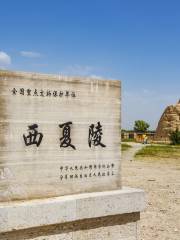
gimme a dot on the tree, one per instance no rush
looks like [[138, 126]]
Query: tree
[[175, 137], [141, 126]]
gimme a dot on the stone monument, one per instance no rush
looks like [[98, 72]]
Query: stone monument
[[169, 122], [60, 160]]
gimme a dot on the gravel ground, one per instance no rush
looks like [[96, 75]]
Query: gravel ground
[[161, 181]]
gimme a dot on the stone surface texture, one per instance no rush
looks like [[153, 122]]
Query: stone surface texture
[[31, 172], [169, 121], [102, 215], [35, 213]]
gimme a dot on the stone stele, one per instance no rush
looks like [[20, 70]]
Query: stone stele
[[28, 172], [60, 175]]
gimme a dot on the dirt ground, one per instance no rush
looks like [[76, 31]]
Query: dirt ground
[[161, 181]]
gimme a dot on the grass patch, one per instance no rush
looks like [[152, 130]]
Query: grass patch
[[125, 146], [159, 151]]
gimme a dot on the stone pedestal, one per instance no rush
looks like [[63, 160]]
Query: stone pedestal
[[109, 215]]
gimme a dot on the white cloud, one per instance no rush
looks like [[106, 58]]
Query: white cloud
[[96, 76], [5, 59], [30, 54], [78, 70]]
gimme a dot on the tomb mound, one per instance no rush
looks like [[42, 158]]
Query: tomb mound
[[169, 121]]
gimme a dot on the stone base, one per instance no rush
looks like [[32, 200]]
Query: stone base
[[111, 215]]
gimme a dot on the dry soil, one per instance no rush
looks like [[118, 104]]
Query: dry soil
[[161, 181]]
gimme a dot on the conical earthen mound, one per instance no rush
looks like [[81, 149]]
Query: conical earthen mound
[[169, 121]]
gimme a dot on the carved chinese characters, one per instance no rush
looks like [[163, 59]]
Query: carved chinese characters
[[34, 137]]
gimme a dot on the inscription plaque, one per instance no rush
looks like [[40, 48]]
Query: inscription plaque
[[58, 135]]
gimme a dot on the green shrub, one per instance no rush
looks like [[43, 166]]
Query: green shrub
[[175, 137]]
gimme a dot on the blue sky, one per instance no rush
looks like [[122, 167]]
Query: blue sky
[[137, 42]]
